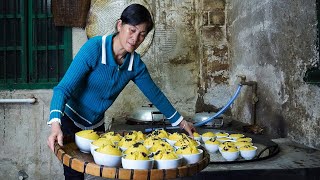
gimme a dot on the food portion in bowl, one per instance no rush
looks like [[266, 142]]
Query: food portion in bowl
[[111, 135], [160, 133], [99, 143], [230, 153], [185, 142], [236, 136], [248, 152], [190, 154], [166, 160], [137, 147], [125, 143], [107, 155], [161, 145], [207, 135], [84, 138], [212, 145], [196, 136], [222, 134]]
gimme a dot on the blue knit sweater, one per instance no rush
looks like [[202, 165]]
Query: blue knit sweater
[[89, 87]]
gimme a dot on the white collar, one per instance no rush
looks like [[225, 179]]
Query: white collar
[[104, 58]]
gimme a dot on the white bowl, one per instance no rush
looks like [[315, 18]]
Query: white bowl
[[106, 159], [248, 154], [93, 147], [212, 148], [171, 142], [230, 156], [192, 158], [168, 164], [137, 164], [83, 143]]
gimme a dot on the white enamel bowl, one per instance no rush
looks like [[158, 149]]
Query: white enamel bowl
[[83, 143], [106, 159], [230, 156], [168, 164], [192, 158], [212, 148], [137, 164], [248, 154]]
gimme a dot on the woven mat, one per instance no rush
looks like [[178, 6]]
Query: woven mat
[[103, 15]]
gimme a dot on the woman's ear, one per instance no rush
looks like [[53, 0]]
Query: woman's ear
[[119, 25]]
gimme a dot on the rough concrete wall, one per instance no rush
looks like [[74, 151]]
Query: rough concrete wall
[[23, 137], [273, 42], [214, 91]]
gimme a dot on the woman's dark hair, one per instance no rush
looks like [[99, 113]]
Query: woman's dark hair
[[136, 14]]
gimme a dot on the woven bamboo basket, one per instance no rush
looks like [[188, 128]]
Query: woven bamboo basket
[[70, 13], [71, 156]]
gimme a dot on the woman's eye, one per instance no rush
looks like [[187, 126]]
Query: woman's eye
[[133, 30]]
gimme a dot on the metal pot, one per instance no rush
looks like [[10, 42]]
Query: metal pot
[[203, 116], [147, 114]]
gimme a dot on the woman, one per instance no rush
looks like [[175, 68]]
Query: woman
[[97, 75]]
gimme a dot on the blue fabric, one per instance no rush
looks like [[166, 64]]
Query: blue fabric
[[89, 87]]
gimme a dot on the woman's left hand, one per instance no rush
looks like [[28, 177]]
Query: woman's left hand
[[187, 126]]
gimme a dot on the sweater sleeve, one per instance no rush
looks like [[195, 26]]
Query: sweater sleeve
[[85, 59], [156, 96]]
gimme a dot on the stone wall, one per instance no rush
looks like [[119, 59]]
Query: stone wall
[[274, 43]]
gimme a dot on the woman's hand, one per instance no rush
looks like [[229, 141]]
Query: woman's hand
[[55, 136], [187, 126]]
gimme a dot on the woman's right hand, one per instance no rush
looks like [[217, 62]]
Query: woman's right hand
[[55, 136]]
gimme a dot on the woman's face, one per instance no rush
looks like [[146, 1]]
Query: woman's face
[[131, 36]]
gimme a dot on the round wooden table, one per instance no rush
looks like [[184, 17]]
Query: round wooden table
[[72, 157]]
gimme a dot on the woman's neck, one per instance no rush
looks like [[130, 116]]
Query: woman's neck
[[118, 51]]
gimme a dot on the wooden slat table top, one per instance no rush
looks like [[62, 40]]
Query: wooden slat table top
[[72, 157]]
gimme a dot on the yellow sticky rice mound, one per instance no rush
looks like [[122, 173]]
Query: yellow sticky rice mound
[[161, 145], [126, 142], [229, 149], [208, 134], [222, 134], [184, 150], [195, 134], [227, 144], [247, 148], [150, 141], [112, 136], [109, 149], [186, 141], [88, 134], [137, 147], [236, 136], [160, 133], [165, 155], [136, 135], [212, 141], [137, 156], [242, 143], [101, 142], [175, 136], [244, 139]]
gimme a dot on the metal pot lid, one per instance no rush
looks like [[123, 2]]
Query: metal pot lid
[[147, 113]]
